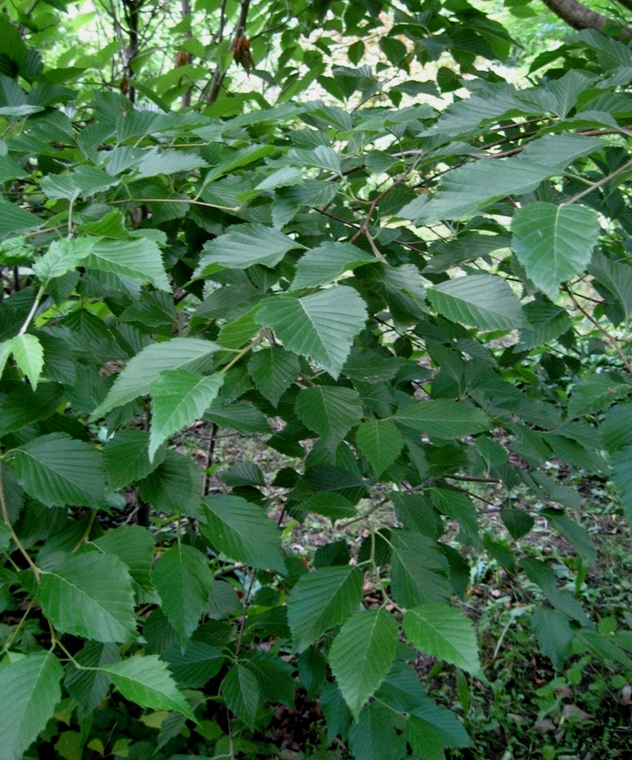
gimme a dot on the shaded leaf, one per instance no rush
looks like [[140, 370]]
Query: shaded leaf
[[361, 655], [31, 691], [322, 600]]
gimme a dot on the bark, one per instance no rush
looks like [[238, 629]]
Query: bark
[[580, 17]]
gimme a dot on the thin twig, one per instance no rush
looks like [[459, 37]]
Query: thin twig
[[611, 339], [7, 521], [598, 184]]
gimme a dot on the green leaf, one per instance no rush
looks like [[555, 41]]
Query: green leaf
[[331, 505], [373, 735], [60, 471], [168, 162], [242, 694], [469, 188], [273, 371], [134, 546], [361, 655], [62, 257], [274, 676], [443, 632], [14, 219], [126, 458], [241, 417], [31, 691], [29, 356], [322, 265], [244, 246], [419, 570], [380, 442], [329, 411], [622, 478], [424, 739], [147, 682], [89, 687], [616, 429], [553, 243], [443, 418], [179, 397], [84, 180], [243, 532], [145, 368], [322, 600], [184, 580], [594, 393], [90, 595], [479, 300], [236, 333], [139, 259], [546, 322], [174, 486], [5, 353], [321, 326], [23, 406], [554, 634], [196, 665]]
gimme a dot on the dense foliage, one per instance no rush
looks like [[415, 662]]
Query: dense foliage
[[407, 276]]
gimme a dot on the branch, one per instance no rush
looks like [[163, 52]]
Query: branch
[[580, 17], [218, 74]]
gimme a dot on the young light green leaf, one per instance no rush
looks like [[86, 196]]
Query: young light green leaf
[[329, 411], [380, 442], [184, 580], [273, 371], [322, 265], [244, 246], [76, 597], [553, 242], [322, 600], [145, 368], [361, 655], [29, 356], [147, 682], [31, 691], [139, 259], [243, 532], [179, 397], [62, 257], [242, 694], [321, 326], [59, 470], [479, 300], [443, 418], [443, 632]]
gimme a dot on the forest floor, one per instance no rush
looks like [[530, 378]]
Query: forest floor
[[523, 707]]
